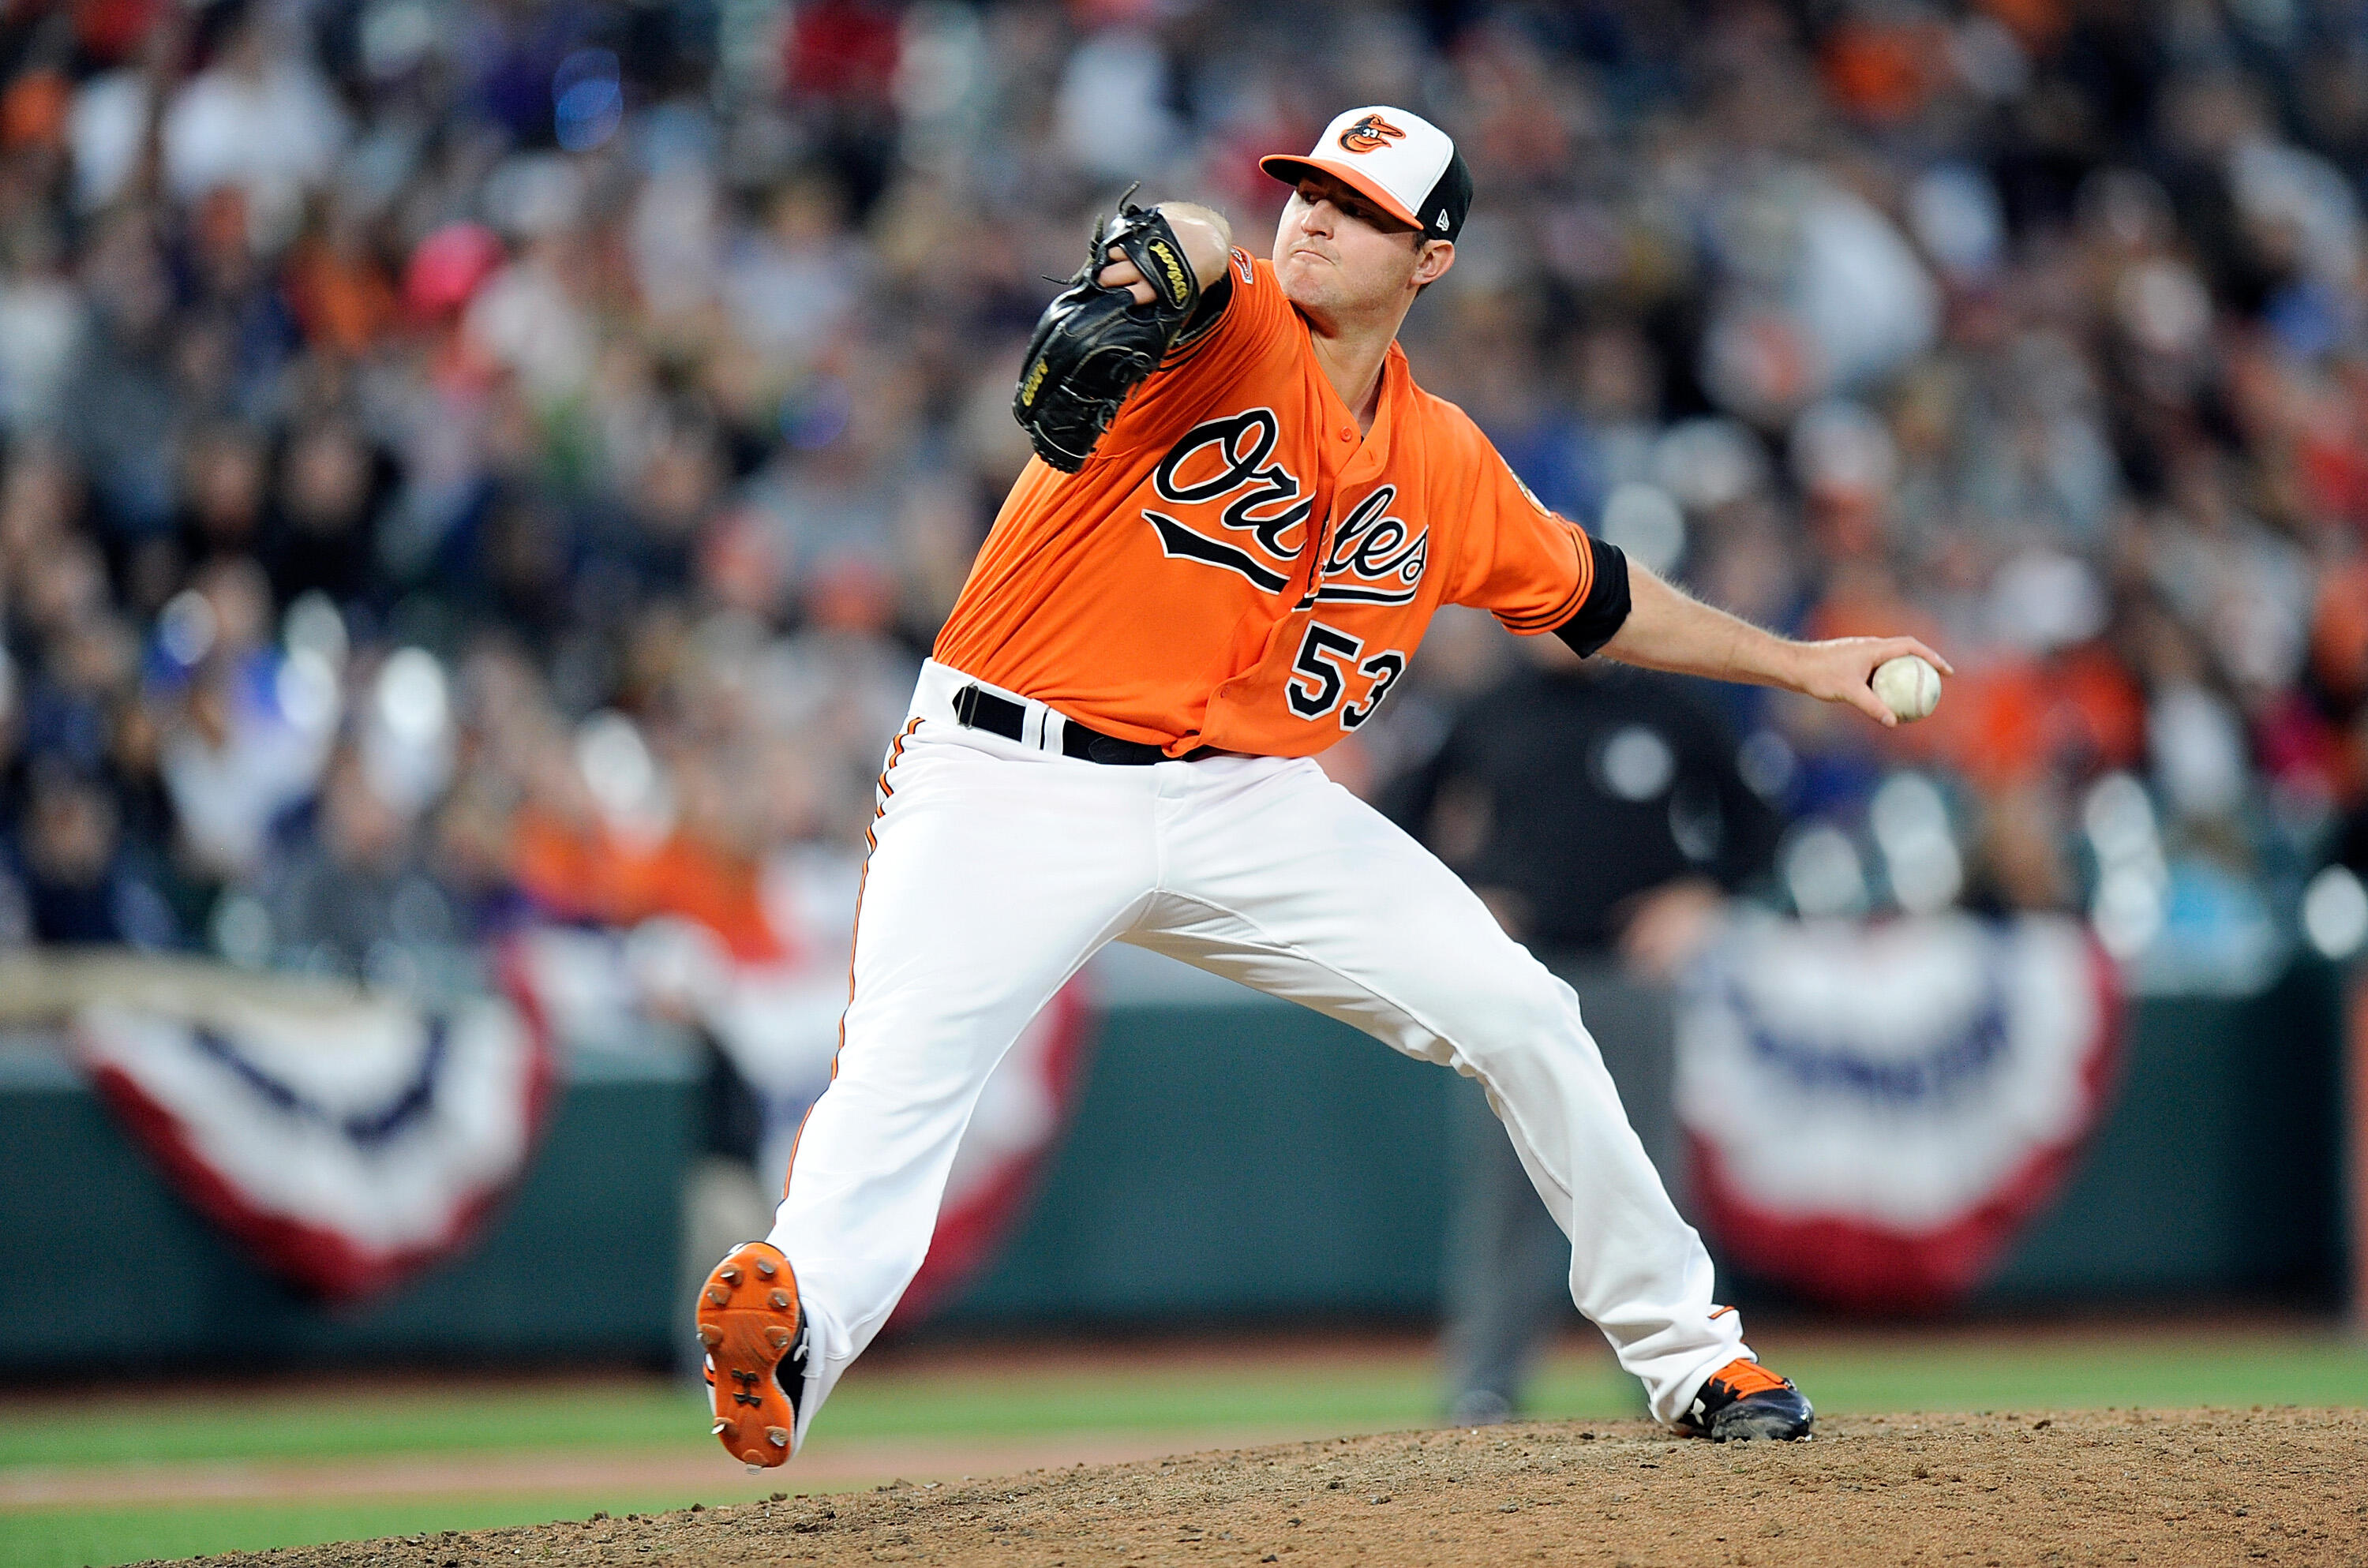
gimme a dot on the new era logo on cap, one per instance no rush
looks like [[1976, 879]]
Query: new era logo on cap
[[1407, 165]]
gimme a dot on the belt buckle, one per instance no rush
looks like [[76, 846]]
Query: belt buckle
[[966, 706]]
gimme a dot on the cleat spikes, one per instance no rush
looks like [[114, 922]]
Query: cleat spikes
[[749, 1322]]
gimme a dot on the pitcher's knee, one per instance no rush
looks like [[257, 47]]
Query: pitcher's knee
[[1517, 1008]]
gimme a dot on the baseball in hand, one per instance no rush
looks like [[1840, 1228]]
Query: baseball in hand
[[1908, 686]]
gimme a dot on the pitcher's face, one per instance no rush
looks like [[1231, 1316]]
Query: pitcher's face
[[1336, 253]]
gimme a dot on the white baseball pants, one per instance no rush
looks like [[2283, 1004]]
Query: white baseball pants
[[998, 867]]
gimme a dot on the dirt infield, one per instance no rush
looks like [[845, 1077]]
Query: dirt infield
[[2209, 1486], [837, 1465]]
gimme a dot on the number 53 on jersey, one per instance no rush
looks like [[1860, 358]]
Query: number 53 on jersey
[[1329, 663]]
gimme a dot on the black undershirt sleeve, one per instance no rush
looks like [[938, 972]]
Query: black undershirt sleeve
[[1605, 608]]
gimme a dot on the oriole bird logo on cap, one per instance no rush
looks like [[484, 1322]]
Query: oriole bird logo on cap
[[1369, 133]]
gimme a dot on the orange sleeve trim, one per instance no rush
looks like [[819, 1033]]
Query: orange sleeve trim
[[1570, 604]]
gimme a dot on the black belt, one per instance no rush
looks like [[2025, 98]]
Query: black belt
[[978, 709]]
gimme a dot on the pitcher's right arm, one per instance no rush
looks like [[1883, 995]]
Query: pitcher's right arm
[[1100, 338], [1205, 237]]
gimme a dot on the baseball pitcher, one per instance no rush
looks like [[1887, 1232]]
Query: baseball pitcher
[[1242, 514]]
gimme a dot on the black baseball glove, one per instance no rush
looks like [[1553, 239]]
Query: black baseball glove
[[1094, 345]]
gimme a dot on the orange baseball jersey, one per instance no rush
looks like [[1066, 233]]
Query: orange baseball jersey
[[1234, 568]]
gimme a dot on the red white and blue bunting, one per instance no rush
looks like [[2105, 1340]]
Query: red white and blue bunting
[[348, 1140], [1873, 1113]]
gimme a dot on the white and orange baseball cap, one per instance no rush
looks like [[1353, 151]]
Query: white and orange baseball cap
[[1407, 165]]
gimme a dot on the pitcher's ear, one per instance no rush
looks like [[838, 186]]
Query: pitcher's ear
[[1436, 257]]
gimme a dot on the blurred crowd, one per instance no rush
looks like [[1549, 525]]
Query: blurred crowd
[[469, 461]]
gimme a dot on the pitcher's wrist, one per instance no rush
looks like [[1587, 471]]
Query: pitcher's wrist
[[1782, 662]]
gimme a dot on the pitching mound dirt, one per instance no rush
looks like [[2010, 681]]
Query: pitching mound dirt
[[2208, 1486]]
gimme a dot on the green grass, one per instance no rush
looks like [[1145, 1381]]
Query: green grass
[[2057, 1371], [1345, 1396], [331, 1423], [2080, 1374], [941, 1400]]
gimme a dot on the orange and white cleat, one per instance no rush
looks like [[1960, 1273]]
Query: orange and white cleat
[[1743, 1401], [756, 1340]]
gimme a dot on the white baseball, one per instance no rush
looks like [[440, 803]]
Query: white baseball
[[1908, 686]]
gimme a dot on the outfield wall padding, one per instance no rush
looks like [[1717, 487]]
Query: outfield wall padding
[[108, 1271], [1257, 1157], [1230, 1158]]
